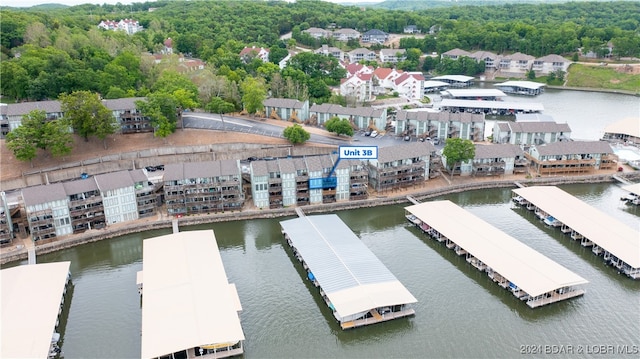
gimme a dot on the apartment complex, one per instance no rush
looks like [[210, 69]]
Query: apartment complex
[[400, 166]]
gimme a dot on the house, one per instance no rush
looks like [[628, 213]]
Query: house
[[361, 117], [6, 224], [550, 63], [249, 53], [410, 85], [129, 26], [203, 187], [47, 211], [168, 47], [411, 29], [490, 59], [317, 33], [118, 196], [12, 117], [440, 124], [354, 68], [361, 54], [384, 79], [495, 160], [375, 36], [570, 157], [331, 51], [393, 56], [530, 129], [516, 63], [285, 60], [85, 204], [358, 86], [286, 109], [455, 54], [400, 166], [626, 131], [345, 34]]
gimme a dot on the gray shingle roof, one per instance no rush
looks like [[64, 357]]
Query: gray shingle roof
[[259, 168], [173, 172], [139, 176], [283, 103], [122, 103], [286, 165], [543, 127], [229, 167], [80, 186], [574, 147], [506, 150], [23, 108], [346, 111], [114, 180], [401, 152], [43, 194]]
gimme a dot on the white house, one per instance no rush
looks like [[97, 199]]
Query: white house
[[550, 63], [358, 85], [346, 34], [410, 85], [248, 53], [361, 54], [393, 55]]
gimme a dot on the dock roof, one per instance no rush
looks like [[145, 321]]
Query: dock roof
[[520, 264], [633, 188], [351, 276], [607, 232], [474, 93], [457, 78], [629, 126], [31, 297], [498, 105], [187, 300], [530, 85]]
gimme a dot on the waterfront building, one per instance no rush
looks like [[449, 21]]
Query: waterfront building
[[494, 160], [189, 308], [440, 124], [550, 63], [400, 166], [33, 298], [146, 196], [352, 281], [118, 196], [410, 85], [6, 224], [85, 204], [530, 129], [259, 184], [618, 243], [47, 211], [491, 60], [203, 187], [570, 157], [526, 273], [626, 130], [434, 86]]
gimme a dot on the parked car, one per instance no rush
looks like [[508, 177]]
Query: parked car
[[436, 141], [367, 133], [374, 134], [407, 138]]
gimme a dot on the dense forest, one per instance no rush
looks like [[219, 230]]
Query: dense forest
[[49, 51]]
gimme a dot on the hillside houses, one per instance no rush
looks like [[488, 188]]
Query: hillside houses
[[249, 53], [129, 26], [515, 64]]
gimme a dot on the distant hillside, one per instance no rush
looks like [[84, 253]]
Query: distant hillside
[[428, 4], [51, 6]]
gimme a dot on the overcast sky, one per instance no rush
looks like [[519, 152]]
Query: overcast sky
[[27, 3]]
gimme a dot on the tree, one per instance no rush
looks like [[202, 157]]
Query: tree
[[36, 132], [218, 105], [339, 126], [162, 110], [88, 116], [458, 150], [254, 93], [296, 134]]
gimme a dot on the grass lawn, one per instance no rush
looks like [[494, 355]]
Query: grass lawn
[[602, 77]]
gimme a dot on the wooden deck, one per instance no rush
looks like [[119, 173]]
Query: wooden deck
[[555, 298], [377, 318]]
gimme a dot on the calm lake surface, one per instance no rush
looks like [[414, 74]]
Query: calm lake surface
[[461, 313]]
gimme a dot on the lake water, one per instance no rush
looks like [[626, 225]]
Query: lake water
[[461, 313]]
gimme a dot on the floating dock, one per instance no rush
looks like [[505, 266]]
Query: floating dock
[[352, 281], [618, 243], [189, 309], [528, 88], [529, 275], [32, 301], [491, 107]]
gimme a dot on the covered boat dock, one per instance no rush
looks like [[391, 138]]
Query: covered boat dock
[[528, 88], [189, 309], [618, 243], [353, 282], [474, 94], [490, 107], [634, 194], [32, 301], [529, 275], [455, 80]]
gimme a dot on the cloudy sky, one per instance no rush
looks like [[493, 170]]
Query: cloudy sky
[[27, 3]]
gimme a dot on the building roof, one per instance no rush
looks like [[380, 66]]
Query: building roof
[[187, 300], [127, 103], [114, 180], [360, 50], [474, 93], [351, 276], [283, 103], [538, 127], [139, 176], [629, 126], [574, 147], [524, 84], [498, 105], [80, 186], [259, 168], [383, 72], [375, 32], [429, 84], [518, 56], [31, 296], [43, 194], [633, 188], [347, 111], [552, 58], [286, 165], [607, 232], [521, 265], [173, 172], [248, 50], [481, 55], [457, 78], [401, 152], [346, 31], [456, 52], [393, 52], [440, 116], [505, 150], [533, 117], [23, 108]]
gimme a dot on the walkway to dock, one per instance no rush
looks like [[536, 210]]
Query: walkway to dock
[[413, 200], [299, 212], [621, 180], [174, 225], [617, 242], [528, 274], [31, 252], [353, 282]]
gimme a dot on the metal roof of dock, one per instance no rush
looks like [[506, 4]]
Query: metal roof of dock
[[351, 276], [498, 105], [474, 93], [607, 232], [527, 268], [633, 188], [31, 297], [456, 78], [187, 300], [523, 84]]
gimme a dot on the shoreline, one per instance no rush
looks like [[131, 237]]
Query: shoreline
[[161, 221]]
